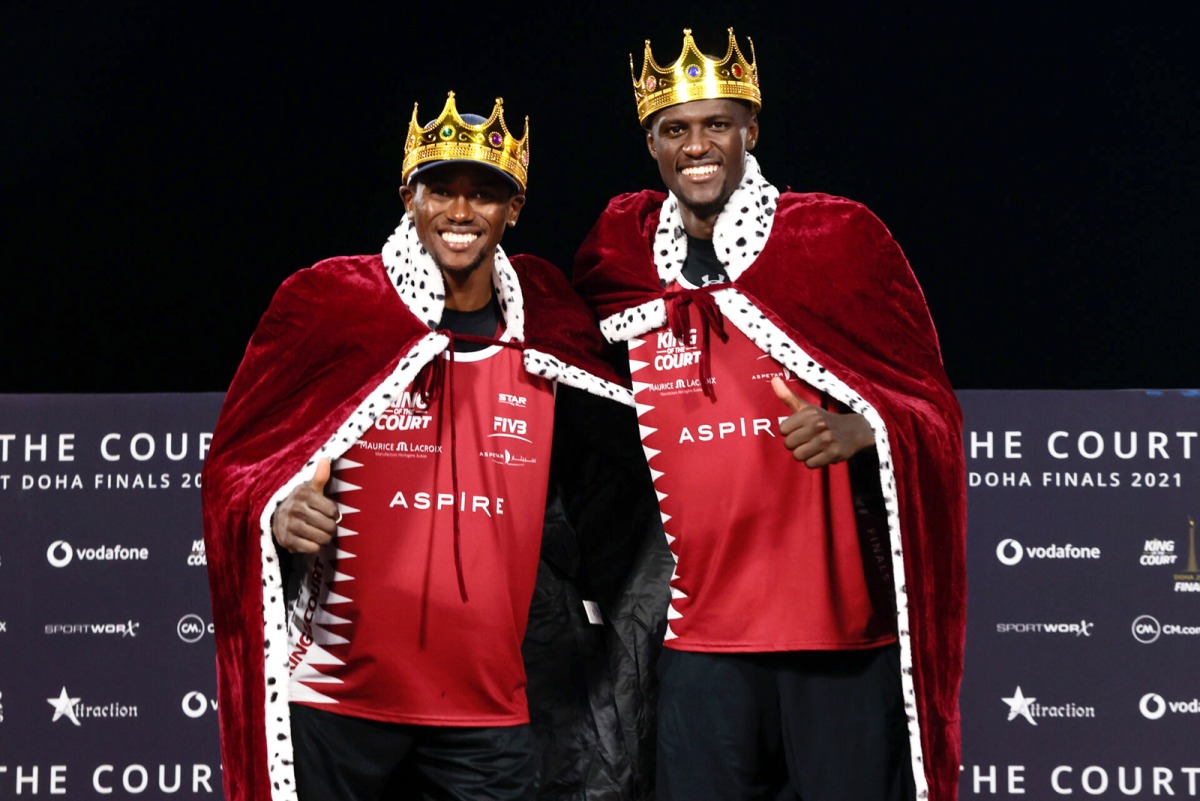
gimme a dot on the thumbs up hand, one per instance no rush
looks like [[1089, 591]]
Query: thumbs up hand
[[306, 519], [818, 437]]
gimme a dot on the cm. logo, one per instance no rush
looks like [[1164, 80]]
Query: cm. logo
[[1146, 629], [1009, 552], [191, 628]]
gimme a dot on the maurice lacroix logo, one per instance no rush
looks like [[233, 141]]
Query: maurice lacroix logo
[[1010, 552], [73, 709], [61, 553], [1147, 629], [1027, 707]]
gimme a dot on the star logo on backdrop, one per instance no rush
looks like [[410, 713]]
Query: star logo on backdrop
[[1018, 704], [64, 705]]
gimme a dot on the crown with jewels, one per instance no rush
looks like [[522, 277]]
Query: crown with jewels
[[695, 76], [450, 138]]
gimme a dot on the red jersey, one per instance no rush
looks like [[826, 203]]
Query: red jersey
[[383, 630], [768, 556]]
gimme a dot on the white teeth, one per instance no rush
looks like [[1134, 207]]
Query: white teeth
[[707, 169], [459, 239]]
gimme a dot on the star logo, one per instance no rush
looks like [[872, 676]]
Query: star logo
[[1018, 704], [64, 705]]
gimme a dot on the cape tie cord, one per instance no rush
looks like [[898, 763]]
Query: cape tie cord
[[429, 383], [679, 302]]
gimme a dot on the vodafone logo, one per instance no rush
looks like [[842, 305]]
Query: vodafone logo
[[59, 553], [1152, 706], [1009, 552], [195, 704]]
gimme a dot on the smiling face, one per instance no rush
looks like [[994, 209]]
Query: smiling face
[[700, 147], [460, 211]]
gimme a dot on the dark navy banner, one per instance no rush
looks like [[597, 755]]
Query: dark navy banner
[[107, 688], [1083, 641], [1083, 646]]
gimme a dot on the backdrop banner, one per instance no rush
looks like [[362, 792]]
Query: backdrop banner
[[1083, 639]]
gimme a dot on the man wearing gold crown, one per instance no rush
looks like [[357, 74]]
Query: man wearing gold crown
[[814, 634], [391, 425]]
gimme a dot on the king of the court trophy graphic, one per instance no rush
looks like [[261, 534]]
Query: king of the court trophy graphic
[[1189, 581]]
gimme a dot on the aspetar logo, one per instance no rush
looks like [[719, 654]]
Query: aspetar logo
[[192, 628], [1028, 709], [1158, 552], [198, 557], [1011, 552], [1081, 629], [1146, 629], [1153, 706], [196, 704], [507, 458], [126, 629], [61, 553], [72, 708]]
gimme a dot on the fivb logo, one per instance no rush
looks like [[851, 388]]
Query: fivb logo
[[195, 704], [60, 553], [510, 428], [191, 628], [1147, 629], [1153, 706], [1010, 552]]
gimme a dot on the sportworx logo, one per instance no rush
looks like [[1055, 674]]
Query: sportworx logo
[[1081, 629], [1147, 629], [1010, 552], [195, 705], [127, 629], [60, 554], [1153, 706], [191, 628]]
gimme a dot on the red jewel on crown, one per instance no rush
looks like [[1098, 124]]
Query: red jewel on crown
[[737, 70], [651, 83]]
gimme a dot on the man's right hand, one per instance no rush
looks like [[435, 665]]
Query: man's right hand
[[306, 519]]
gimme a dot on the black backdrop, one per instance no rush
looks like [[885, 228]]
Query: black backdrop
[[165, 164]]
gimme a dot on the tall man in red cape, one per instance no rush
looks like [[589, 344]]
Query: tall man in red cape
[[391, 425], [805, 445]]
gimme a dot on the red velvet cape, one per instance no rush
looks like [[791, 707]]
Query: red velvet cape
[[333, 336], [832, 280]]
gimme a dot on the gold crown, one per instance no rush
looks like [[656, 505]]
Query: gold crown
[[449, 137], [695, 76]]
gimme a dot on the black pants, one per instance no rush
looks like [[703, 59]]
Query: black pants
[[355, 759], [807, 725]]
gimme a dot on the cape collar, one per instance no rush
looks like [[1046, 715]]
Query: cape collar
[[739, 234], [419, 282]]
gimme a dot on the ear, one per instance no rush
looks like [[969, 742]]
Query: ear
[[515, 204], [752, 132], [650, 144], [408, 196]]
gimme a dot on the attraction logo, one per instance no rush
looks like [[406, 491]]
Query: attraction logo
[[1027, 708], [73, 709], [61, 553], [1153, 706], [1011, 552], [192, 628], [1146, 629], [1189, 579]]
